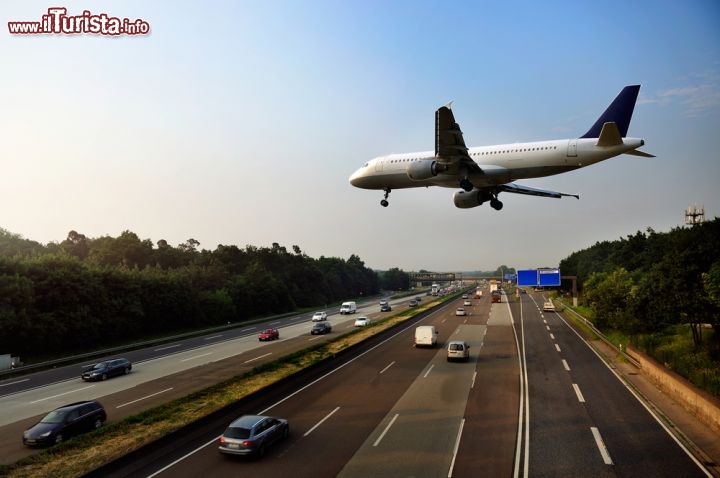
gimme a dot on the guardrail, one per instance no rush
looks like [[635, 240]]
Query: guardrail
[[601, 336]]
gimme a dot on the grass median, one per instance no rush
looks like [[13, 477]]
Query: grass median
[[88, 452]]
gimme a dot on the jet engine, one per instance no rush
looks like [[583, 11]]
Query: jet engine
[[423, 169], [474, 198]]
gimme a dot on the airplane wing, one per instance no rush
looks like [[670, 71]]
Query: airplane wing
[[518, 189], [449, 143]]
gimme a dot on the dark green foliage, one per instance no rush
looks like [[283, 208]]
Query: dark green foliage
[[395, 279], [648, 282], [82, 293], [650, 285]]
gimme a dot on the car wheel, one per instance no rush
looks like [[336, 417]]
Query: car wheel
[[261, 451], [58, 438], [98, 423], [104, 376]]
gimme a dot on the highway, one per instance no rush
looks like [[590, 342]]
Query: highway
[[534, 400], [160, 373]]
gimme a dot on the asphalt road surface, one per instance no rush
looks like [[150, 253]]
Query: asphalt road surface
[[533, 400]]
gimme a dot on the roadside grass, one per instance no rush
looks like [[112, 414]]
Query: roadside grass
[[87, 452], [672, 347]]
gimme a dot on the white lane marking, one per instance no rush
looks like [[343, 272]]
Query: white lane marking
[[196, 357], [601, 446], [557, 347], [457, 446], [544, 321], [579, 394], [472, 384], [389, 365], [321, 422], [168, 347], [61, 394], [146, 396], [429, 370], [552, 336], [13, 383], [565, 365], [382, 435], [213, 337], [248, 329], [257, 358], [641, 401], [547, 327], [276, 322]]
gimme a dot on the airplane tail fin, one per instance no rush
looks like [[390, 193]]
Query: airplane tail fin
[[619, 112]]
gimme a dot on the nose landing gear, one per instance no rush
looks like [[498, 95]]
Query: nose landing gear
[[384, 202]]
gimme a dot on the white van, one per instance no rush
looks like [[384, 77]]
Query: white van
[[425, 336], [458, 350], [348, 308]]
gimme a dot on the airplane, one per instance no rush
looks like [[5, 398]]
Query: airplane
[[484, 172]]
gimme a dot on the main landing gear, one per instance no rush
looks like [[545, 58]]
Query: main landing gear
[[384, 202], [496, 204]]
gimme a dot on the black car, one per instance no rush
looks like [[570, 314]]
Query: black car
[[106, 369], [252, 434], [321, 328], [65, 422]]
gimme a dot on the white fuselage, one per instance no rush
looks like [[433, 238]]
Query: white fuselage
[[500, 164]]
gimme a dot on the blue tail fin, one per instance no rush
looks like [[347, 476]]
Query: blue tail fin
[[619, 112]]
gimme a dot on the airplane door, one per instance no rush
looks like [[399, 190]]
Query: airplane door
[[572, 148]]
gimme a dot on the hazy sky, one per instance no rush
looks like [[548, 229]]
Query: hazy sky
[[240, 122]]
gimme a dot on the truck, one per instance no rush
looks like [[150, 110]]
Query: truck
[[425, 336], [478, 293], [493, 285]]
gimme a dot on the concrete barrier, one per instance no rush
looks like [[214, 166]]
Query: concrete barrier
[[698, 402]]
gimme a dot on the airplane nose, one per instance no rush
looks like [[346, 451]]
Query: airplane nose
[[356, 178]]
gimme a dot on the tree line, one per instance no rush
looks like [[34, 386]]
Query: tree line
[[84, 293], [650, 282]]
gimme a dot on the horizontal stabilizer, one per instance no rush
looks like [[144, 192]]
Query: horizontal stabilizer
[[609, 135], [643, 154]]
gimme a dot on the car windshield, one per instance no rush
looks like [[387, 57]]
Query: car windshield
[[456, 347], [99, 366], [267, 331], [56, 416], [240, 433]]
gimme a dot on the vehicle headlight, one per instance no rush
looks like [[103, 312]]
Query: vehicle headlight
[[46, 434]]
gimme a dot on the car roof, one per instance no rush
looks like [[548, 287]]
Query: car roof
[[247, 421], [76, 404]]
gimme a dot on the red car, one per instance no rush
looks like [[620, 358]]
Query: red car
[[269, 334]]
